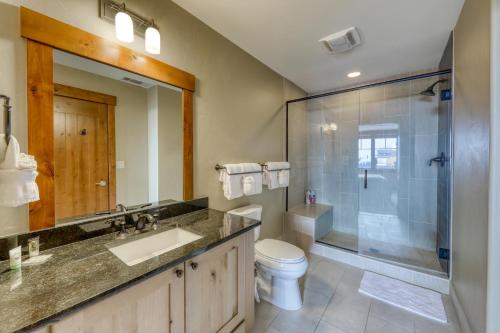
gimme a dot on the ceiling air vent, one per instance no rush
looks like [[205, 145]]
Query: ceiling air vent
[[341, 41], [133, 81]]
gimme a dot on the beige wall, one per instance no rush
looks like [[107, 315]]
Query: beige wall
[[13, 83], [471, 160], [131, 126], [169, 144], [237, 106]]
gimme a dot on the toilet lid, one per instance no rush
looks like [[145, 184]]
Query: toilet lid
[[280, 251]]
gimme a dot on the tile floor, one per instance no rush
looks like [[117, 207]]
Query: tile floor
[[332, 304]]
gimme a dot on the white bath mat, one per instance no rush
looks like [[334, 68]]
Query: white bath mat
[[418, 300]]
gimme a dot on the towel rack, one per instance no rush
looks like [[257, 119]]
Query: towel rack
[[219, 167], [264, 166], [7, 112]]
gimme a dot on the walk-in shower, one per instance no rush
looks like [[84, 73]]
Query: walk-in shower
[[380, 155]]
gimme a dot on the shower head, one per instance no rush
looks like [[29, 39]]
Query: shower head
[[430, 90]]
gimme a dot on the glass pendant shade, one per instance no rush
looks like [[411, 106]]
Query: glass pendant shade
[[124, 27], [153, 40]]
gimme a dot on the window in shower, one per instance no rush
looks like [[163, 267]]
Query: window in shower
[[386, 152]]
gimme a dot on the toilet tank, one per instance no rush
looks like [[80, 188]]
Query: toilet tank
[[250, 211]]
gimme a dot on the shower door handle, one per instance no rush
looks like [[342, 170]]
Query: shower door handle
[[441, 159], [366, 179]]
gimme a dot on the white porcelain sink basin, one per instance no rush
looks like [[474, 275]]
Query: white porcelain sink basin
[[148, 247]]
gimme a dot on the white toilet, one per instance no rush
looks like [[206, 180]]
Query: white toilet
[[279, 266]]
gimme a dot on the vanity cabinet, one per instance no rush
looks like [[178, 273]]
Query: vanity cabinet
[[215, 289], [212, 292], [155, 305]]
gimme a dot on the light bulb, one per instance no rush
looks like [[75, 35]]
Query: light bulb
[[153, 41], [124, 27], [353, 74]]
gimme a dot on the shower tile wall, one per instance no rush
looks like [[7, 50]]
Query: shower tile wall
[[332, 156], [297, 153], [400, 204]]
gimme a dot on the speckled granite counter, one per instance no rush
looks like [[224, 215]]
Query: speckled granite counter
[[85, 271]]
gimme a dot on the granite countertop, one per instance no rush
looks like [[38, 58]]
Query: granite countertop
[[84, 271]]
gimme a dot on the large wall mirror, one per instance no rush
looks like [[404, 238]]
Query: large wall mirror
[[107, 125], [117, 138]]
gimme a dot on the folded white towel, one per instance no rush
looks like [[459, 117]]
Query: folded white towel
[[232, 185], [241, 179], [243, 168], [271, 179], [17, 175], [18, 187], [277, 165], [252, 184]]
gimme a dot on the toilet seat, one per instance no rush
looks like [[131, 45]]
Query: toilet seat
[[279, 252]]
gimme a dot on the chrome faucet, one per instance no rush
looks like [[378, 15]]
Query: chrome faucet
[[145, 219], [121, 208]]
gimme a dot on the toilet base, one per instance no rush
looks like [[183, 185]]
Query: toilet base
[[284, 293]]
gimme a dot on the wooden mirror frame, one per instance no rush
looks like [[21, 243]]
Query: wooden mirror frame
[[44, 34]]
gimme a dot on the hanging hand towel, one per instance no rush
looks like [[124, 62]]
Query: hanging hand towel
[[276, 174], [17, 175], [232, 178], [283, 178], [231, 185], [9, 155]]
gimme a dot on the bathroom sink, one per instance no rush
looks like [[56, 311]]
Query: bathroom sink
[[135, 252]]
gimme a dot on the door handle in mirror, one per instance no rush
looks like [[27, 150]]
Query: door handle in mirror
[[102, 183], [366, 179]]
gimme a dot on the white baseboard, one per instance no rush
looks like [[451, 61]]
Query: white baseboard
[[429, 281]]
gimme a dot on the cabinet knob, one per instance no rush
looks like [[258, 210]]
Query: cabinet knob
[[194, 265], [179, 273]]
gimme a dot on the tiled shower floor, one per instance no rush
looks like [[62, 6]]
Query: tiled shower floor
[[332, 304], [397, 253]]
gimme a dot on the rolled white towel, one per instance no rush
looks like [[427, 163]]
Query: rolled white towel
[[252, 184], [26, 162]]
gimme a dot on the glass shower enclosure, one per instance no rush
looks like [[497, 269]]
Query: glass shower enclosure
[[380, 156]]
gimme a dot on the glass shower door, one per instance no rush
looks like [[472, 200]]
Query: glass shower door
[[397, 137]]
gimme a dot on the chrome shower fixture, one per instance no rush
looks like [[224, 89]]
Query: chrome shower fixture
[[430, 90]]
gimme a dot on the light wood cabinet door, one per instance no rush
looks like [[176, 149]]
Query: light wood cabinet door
[[155, 305], [215, 288]]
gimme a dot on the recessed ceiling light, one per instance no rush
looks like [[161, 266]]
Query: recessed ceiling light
[[353, 74]]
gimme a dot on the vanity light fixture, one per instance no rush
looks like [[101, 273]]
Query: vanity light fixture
[[352, 75], [128, 23], [124, 27], [152, 39]]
